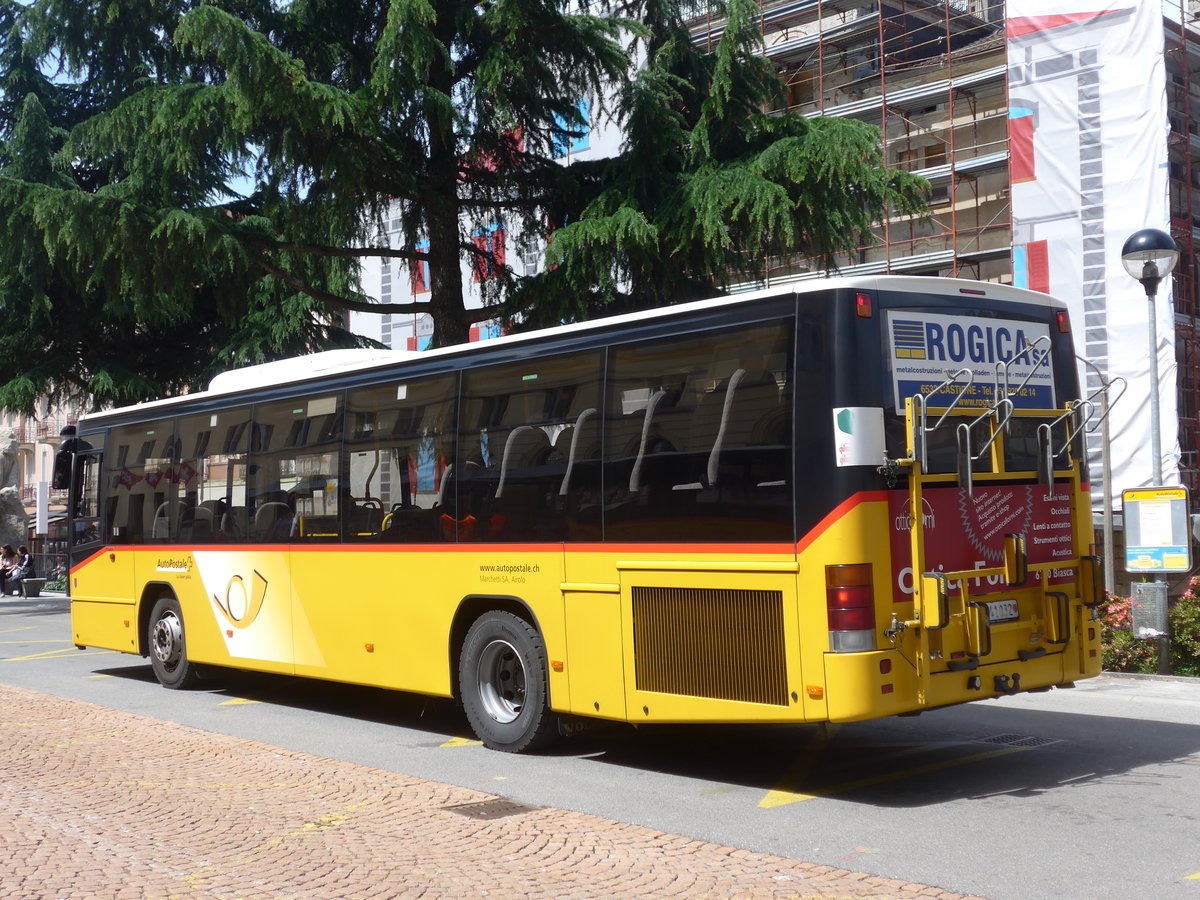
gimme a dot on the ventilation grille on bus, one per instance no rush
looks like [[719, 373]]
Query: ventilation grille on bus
[[697, 642]]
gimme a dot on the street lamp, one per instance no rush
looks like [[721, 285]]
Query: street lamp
[[1149, 256]]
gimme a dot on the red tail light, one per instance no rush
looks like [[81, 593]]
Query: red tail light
[[1064, 321], [862, 305], [850, 600]]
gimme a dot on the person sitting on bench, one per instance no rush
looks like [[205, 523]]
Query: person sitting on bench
[[22, 570]]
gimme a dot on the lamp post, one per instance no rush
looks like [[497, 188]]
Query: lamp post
[[1149, 256]]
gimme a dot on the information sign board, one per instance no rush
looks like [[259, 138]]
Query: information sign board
[[1157, 532]]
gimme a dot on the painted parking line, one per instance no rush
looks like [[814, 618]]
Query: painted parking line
[[462, 742], [239, 701], [61, 653], [788, 790]]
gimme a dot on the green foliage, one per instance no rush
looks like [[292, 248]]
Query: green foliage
[[187, 186], [1185, 632], [1120, 650], [708, 187], [1123, 652]]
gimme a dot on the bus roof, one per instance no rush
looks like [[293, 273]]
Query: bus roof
[[301, 369]]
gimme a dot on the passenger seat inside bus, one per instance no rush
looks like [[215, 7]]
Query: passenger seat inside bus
[[266, 517]]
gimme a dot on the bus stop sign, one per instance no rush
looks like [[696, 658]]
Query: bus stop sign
[[1157, 529]]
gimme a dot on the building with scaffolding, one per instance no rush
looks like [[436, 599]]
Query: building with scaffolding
[[1040, 164]]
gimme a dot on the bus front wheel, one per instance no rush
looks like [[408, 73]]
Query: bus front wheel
[[168, 652], [503, 681]]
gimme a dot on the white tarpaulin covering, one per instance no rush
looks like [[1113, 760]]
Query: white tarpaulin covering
[[1088, 127]]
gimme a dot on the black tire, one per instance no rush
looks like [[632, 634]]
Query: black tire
[[168, 648], [503, 681]]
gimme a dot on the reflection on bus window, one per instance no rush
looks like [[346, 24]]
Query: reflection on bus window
[[294, 470], [141, 483], [528, 449], [698, 437], [400, 444], [211, 478]]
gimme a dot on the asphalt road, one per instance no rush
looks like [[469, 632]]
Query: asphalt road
[[1089, 793]]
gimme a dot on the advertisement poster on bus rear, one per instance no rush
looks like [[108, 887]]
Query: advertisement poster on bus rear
[[926, 347], [964, 533]]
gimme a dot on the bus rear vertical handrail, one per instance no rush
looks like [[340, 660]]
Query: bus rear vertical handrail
[[921, 427]]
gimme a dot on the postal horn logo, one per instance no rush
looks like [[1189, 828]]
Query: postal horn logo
[[241, 605]]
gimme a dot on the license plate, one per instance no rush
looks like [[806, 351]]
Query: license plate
[[1002, 611]]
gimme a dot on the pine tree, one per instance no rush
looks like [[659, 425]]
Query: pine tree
[[196, 184], [709, 186]]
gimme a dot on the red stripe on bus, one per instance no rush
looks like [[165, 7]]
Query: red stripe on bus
[[79, 565], [837, 513], [465, 547]]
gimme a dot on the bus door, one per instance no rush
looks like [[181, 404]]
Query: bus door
[[1002, 580], [85, 524], [101, 579]]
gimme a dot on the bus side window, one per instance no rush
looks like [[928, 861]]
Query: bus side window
[[211, 473], [400, 445], [295, 470], [142, 483], [698, 437], [579, 446], [517, 426]]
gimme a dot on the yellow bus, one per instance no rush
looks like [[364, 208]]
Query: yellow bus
[[835, 501]]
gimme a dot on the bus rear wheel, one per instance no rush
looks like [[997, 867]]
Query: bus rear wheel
[[503, 682], [168, 651]]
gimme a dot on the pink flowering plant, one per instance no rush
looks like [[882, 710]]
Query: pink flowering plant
[[1123, 652], [1120, 650]]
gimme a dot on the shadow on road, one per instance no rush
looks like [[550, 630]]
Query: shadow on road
[[966, 752]]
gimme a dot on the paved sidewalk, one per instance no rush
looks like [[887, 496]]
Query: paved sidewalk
[[96, 803]]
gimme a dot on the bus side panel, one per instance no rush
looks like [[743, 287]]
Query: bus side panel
[[103, 607], [852, 685], [711, 640], [236, 604], [595, 628], [383, 615], [595, 660], [369, 616]]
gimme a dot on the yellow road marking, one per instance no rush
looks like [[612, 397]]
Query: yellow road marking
[[56, 654], [781, 797], [462, 742], [15, 630], [99, 676], [238, 701], [786, 790], [1195, 877]]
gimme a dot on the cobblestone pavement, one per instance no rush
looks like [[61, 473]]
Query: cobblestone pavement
[[96, 803]]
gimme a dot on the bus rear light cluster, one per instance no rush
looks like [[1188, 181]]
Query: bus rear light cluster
[[850, 600], [1064, 321], [862, 305]]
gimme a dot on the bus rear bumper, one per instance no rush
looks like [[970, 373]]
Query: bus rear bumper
[[863, 686]]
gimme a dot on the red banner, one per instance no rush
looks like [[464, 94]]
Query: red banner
[[963, 533]]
